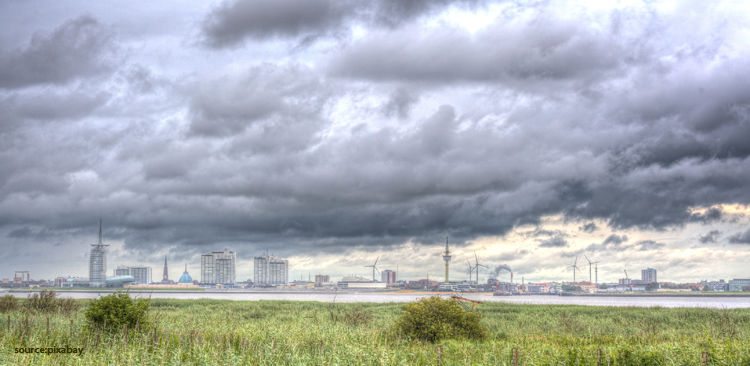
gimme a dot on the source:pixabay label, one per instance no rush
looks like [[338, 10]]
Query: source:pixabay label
[[49, 350]]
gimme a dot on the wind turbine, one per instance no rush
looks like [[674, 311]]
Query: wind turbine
[[374, 268], [590, 263], [478, 265], [470, 271], [575, 267]]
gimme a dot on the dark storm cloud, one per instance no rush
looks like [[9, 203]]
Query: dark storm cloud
[[403, 133], [233, 21], [553, 242], [588, 227], [79, 48], [710, 237], [740, 238]]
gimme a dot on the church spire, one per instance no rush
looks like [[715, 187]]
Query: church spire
[[165, 279]]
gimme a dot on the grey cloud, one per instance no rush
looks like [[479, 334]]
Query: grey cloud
[[588, 227], [231, 104], [615, 239], [400, 103], [535, 115], [713, 214], [21, 232], [233, 21], [740, 238], [710, 237], [543, 232], [553, 242], [229, 24], [648, 245], [613, 242], [548, 49], [81, 47], [54, 104]]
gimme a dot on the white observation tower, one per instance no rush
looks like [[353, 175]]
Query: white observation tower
[[446, 258]]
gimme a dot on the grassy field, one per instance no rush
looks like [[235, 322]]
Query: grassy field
[[309, 333]]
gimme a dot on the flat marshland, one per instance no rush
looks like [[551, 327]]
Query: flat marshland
[[223, 332]]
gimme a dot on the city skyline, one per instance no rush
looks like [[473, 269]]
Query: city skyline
[[331, 133]]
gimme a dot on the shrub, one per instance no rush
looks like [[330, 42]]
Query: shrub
[[47, 301], [117, 309], [433, 319], [8, 303]]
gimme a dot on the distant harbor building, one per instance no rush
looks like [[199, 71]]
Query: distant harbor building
[[321, 279], [218, 268], [185, 278], [648, 275], [98, 262], [718, 286], [388, 277], [359, 282], [21, 276], [272, 271], [739, 284], [59, 281], [141, 275]]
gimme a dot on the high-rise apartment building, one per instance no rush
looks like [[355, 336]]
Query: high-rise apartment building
[[388, 277], [98, 262], [218, 268], [21, 276], [141, 275], [320, 279], [271, 271], [648, 275]]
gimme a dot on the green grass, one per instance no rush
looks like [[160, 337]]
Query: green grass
[[309, 333]]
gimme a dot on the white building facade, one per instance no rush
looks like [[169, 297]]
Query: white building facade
[[218, 268], [271, 271]]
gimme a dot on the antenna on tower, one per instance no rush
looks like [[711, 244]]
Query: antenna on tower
[[100, 244]]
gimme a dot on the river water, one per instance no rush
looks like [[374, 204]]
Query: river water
[[663, 301]]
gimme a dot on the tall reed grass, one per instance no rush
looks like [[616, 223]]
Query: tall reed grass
[[223, 332]]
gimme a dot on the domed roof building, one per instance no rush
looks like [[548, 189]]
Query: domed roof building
[[185, 278]]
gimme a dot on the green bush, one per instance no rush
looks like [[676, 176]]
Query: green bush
[[433, 319], [8, 303], [47, 301], [117, 309]]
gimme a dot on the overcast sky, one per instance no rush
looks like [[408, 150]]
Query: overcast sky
[[334, 132]]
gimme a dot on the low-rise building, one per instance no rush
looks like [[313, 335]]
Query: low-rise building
[[359, 282], [738, 284], [423, 283], [718, 286], [448, 287]]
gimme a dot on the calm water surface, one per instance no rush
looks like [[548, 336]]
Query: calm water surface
[[670, 302]]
